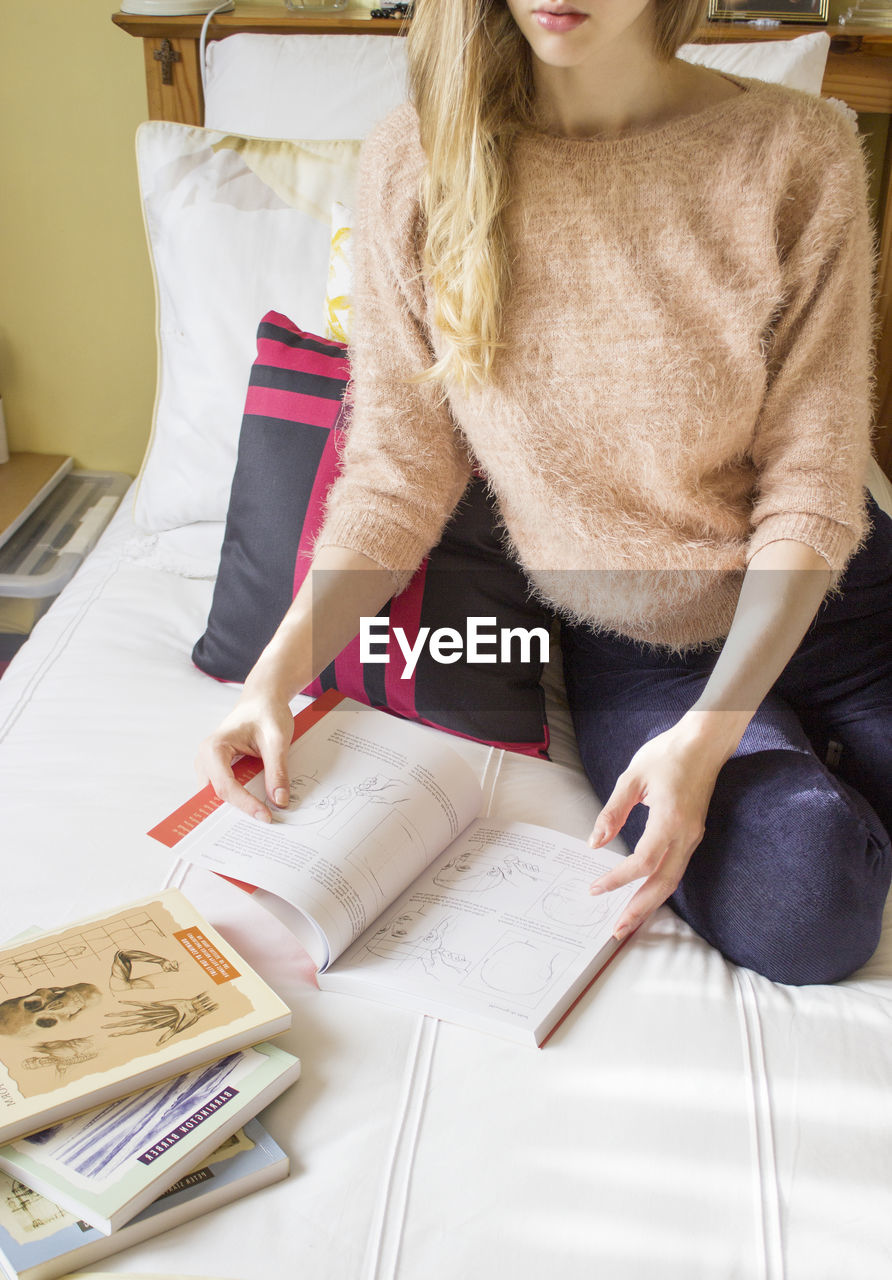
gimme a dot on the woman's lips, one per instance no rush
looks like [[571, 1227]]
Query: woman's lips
[[559, 21]]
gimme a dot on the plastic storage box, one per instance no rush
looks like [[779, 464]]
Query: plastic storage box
[[43, 555]]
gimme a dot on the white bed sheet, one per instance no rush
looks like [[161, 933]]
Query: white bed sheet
[[688, 1120]]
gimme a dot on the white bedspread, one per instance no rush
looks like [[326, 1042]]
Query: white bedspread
[[689, 1120]]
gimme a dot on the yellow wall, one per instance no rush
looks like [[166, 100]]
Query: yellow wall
[[77, 349], [77, 360]]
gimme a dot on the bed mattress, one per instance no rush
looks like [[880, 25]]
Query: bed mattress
[[688, 1120]]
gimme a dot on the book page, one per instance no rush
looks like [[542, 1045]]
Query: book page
[[501, 924], [373, 801]]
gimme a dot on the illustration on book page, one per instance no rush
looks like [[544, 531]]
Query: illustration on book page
[[366, 818], [568, 902], [521, 968], [401, 940], [503, 918], [469, 872]]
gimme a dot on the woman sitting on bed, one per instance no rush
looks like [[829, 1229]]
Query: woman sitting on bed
[[636, 293]]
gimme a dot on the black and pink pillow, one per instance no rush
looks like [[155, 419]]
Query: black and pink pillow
[[287, 459]]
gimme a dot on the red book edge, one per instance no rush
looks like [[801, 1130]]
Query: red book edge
[[171, 830], [588, 986]]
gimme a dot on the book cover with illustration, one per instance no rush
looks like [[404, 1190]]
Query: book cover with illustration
[[114, 1003], [40, 1241], [108, 1164]]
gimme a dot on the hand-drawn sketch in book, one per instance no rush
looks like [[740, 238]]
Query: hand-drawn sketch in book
[[399, 941], [500, 928], [369, 819]]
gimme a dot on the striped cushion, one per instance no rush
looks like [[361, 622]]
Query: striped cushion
[[287, 460]]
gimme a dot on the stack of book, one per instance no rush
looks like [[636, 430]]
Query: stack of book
[[134, 1058]]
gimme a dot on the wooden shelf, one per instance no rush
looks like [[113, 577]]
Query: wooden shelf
[[267, 19], [25, 480], [275, 19], [846, 36]]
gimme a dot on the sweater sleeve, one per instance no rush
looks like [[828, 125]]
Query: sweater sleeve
[[405, 465], [812, 441]]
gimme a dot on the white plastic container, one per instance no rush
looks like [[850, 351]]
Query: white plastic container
[[43, 555]]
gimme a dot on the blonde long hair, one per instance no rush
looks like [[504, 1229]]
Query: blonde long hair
[[471, 82]]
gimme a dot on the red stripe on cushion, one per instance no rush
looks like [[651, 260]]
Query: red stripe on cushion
[[281, 356], [291, 406]]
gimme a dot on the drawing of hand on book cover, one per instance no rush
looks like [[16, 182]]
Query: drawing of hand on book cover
[[402, 939], [169, 1016], [66, 1008]]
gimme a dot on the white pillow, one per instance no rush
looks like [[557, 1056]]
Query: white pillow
[[340, 86], [339, 290], [303, 86], [798, 63], [237, 227]]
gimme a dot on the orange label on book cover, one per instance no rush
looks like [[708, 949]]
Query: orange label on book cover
[[200, 948]]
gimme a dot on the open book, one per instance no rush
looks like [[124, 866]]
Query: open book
[[397, 888]]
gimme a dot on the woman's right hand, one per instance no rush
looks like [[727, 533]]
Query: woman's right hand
[[262, 725], [347, 586]]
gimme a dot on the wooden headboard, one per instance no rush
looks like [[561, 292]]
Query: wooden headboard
[[859, 72]]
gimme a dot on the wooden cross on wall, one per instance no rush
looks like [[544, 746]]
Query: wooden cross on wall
[[167, 56]]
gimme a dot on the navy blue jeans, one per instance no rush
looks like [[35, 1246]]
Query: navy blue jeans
[[792, 874]]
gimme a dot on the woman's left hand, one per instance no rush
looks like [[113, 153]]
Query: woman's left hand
[[674, 775]]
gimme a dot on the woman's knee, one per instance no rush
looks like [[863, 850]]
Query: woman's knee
[[790, 881]]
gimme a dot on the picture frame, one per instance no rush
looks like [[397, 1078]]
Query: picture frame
[[814, 12]]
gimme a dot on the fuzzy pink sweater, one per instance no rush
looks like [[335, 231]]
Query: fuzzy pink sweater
[[688, 371]]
